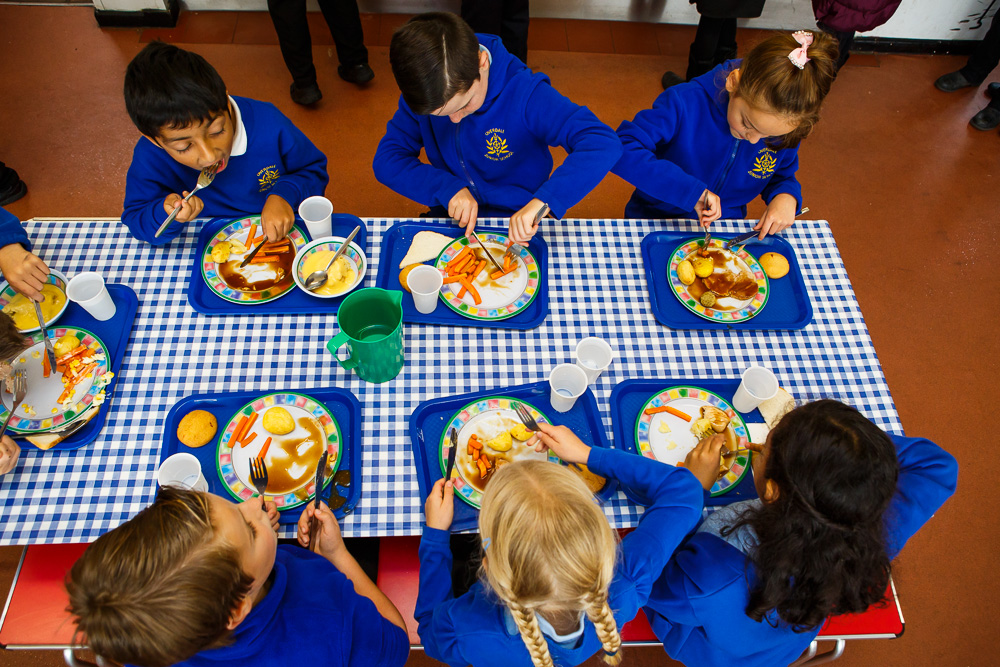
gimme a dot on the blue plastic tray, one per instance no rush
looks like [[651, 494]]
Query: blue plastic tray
[[296, 301], [396, 242], [627, 400], [115, 333], [427, 424], [343, 404], [787, 307]]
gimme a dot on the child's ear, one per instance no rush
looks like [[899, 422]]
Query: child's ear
[[154, 141], [240, 613], [732, 81], [770, 491], [484, 59]]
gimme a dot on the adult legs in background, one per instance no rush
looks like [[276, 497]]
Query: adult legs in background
[[714, 43], [982, 61], [845, 40], [506, 18], [12, 187], [344, 20]]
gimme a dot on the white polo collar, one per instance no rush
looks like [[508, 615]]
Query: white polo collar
[[240, 140]]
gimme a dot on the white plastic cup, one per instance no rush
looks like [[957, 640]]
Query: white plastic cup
[[88, 290], [593, 356], [425, 285], [317, 212], [567, 382], [757, 385], [183, 471]]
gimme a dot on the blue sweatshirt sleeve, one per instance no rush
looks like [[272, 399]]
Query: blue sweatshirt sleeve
[[928, 476], [11, 230], [438, 632], [374, 640], [783, 180], [144, 194], [639, 165], [592, 147], [677, 501], [397, 163], [305, 165]]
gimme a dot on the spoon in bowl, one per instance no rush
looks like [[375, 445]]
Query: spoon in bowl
[[317, 279]]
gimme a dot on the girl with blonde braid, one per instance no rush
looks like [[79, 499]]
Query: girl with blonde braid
[[555, 586]]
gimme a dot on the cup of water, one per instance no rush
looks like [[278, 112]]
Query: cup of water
[[425, 285], [593, 356], [88, 290], [757, 385], [183, 471], [317, 213], [567, 382]]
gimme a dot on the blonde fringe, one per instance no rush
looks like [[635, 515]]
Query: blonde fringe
[[531, 634], [599, 613]]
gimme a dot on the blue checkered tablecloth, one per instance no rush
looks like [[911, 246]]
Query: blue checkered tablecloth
[[597, 288]]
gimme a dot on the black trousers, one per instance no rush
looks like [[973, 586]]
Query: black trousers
[[986, 56], [714, 43], [506, 18], [289, 19]]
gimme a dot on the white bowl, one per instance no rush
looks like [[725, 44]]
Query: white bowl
[[56, 278], [354, 255]]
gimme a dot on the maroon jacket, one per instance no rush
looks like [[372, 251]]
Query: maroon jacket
[[853, 15]]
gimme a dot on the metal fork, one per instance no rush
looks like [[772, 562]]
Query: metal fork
[[258, 477], [205, 179], [525, 416], [20, 389]]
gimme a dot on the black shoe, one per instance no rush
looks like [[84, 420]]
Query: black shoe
[[306, 95], [987, 119], [12, 194], [670, 79], [358, 74], [993, 91], [953, 81]]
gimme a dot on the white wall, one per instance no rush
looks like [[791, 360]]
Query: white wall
[[915, 19]]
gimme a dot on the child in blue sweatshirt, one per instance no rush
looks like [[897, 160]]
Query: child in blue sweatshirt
[[197, 580], [25, 272], [486, 122], [188, 121], [698, 151], [838, 500], [555, 585]]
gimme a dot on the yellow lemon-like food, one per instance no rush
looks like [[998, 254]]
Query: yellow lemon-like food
[[278, 421], [774, 265], [197, 428], [404, 273], [339, 277], [703, 266], [221, 252], [22, 311], [66, 344], [685, 272], [521, 432], [501, 443]]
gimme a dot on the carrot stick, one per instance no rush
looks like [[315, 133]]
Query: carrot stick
[[506, 262], [453, 279], [253, 232], [238, 432], [250, 423], [263, 450], [263, 259], [666, 408], [46, 366], [479, 268], [497, 274], [465, 287], [472, 290], [454, 262], [247, 440], [463, 266]]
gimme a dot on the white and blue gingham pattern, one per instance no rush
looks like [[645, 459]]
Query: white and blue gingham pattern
[[598, 288]]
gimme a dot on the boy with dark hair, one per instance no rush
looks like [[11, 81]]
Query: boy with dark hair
[[486, 122], [189, 122], [197, 580]]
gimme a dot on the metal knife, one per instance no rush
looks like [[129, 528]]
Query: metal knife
[[320, 478], [741, 239], [489, 255], [451, 454], [49, 350], [253, 253]]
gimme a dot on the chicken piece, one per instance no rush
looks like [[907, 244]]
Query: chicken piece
[[718, 419], [501, 443], [521, 432], [702, 428]]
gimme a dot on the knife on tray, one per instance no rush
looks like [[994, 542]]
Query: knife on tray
[[320, 478], [451, 454]]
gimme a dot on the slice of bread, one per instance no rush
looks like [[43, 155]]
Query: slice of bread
[[426, 245], [773, 409]]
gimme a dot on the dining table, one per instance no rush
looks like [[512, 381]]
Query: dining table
[[596, 287]]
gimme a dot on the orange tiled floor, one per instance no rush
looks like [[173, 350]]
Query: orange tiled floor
[[910, 191]]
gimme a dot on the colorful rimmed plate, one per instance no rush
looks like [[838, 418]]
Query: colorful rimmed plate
[[486, 418], [668, 438], [355, 256], [743, 310], [57, 279], [501, 298], [41, 411], [239, 230], [296, 477]]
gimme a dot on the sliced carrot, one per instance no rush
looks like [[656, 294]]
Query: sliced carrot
[[77, 351], [666, 408], [463, 266], [483, 470], [46, 366], [83, 372], [247, 440], [263, 259], [263, 450], [497, 274], [479, 268], [250, 423], [506, 262], [250, 236], [472, 290], [65, 395], [465, 288], [454, 262], [238, 431], [453, 279]]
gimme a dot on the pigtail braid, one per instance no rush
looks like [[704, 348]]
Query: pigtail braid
[[531, 634], [599, 613]]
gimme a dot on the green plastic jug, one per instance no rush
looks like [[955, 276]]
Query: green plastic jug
[[371, 325]]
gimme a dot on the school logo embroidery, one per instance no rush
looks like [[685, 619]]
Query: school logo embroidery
[[496, 145], [764, 165], [267, 177]]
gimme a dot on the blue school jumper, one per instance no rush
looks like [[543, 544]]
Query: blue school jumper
[[683, 146], [477, 629], [311, 616], [279, 160], [11, 230], [500, 152], [697, 606]]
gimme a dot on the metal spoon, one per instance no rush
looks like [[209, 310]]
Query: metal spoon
[[317, 279]]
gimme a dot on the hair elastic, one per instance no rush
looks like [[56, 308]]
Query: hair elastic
[[798, 56], [486, 543], [611, 654]]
